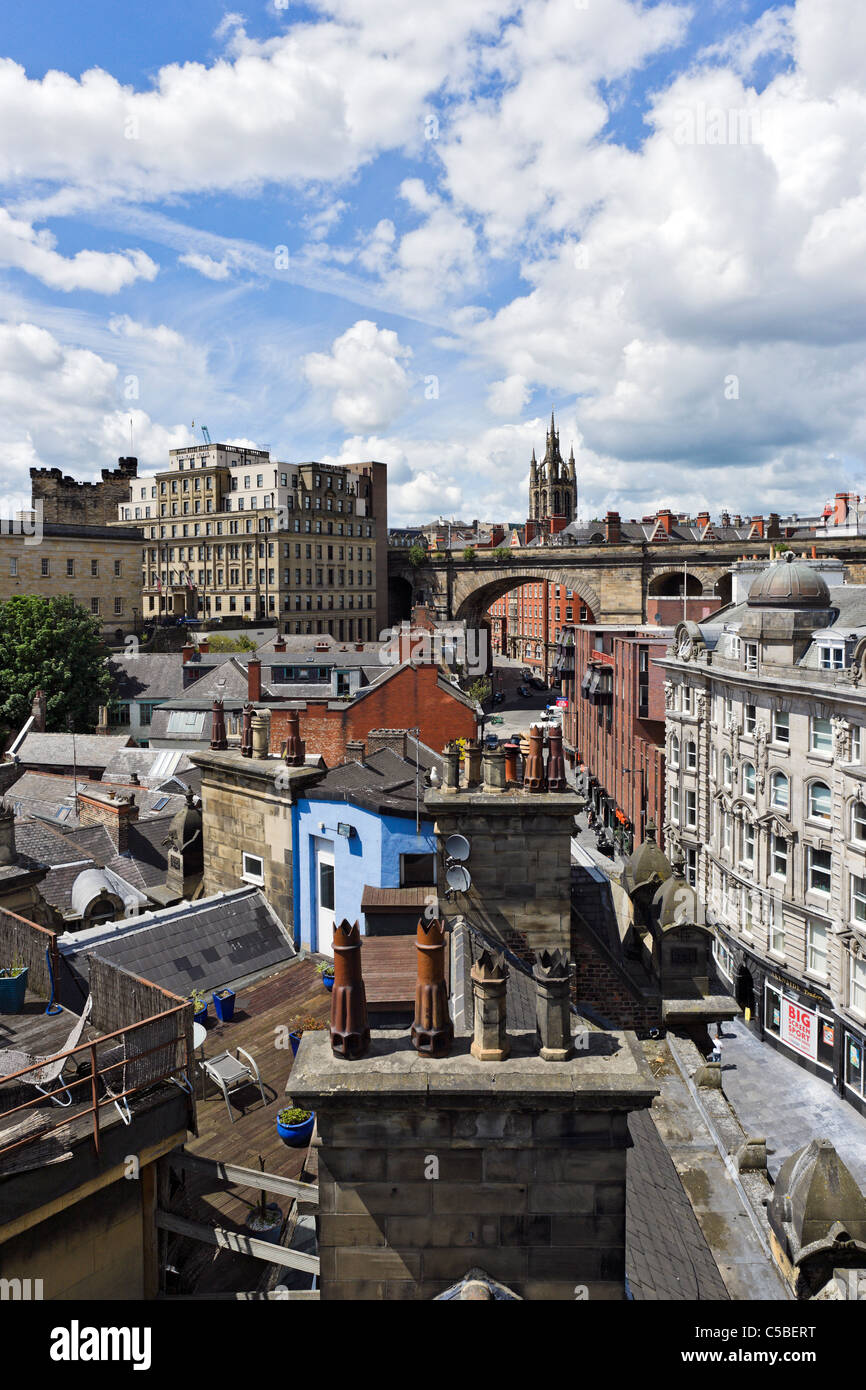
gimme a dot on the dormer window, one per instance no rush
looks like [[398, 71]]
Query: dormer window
[[750, 656], [831, 656]]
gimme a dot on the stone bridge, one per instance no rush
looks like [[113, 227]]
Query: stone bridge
[[614, 580]]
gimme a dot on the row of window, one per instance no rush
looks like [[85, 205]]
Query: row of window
[[265, 523], [70, 570]]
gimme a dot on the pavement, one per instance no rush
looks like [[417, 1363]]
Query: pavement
[[777, 1099]]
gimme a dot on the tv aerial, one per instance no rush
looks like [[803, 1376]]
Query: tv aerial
[[457, 876]]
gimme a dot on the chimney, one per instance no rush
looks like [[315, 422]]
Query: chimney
[[204, 646], [758, 525], [296, 748], [254, 680], [702, 520], [387, 738], [432, 1029], [355, 750], [7, 835], [218, 738], [489, 977], [115, 813], [186, 652], [612, 528], [773, 528], [666, 519], [552, 1011], [102, 726], [279, 643], [350, 1030]]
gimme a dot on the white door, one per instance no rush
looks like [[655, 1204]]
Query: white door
[[325, 901]]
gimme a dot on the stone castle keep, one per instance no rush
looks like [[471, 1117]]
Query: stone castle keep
[[70, 503]]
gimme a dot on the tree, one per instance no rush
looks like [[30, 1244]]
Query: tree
[[417, 555], [469, 554], [52, 645], [479, 690], [501, 553], [219, 643]]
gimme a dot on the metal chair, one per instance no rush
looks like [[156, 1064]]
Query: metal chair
[[231, 1074]]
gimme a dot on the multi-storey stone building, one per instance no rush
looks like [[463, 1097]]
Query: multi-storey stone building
[[766, 793], [236, 535], [97, 566]]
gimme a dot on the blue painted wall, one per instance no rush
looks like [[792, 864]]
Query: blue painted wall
[[370, 856]]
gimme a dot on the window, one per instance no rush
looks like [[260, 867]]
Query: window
[[691, 810], [777, 927], [94, 607], [254, 869], [748, 855], [118, 605], [417, 870], [819, 868], [727, 771], [857, 984], [94, 569], [816, 948], [858, 821], [675, 803], [820, 736], [820, 801], [692, 866], [725, 830], [781, 727], [688, 698], [326, 886], [780, 796], [751, 656], [749, 779], [70, 569], [145, 712], [779, 857], [13, 566], [675, 751], [691, 755], [750, 719], [832, 658], [45, 568]]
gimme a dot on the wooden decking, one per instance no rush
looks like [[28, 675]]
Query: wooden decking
[[264, 1014]]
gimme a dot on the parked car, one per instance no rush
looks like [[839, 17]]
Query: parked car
[[499, 697], [524, 692], [491, 741], [538, 684]]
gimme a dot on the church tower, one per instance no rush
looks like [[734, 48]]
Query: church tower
[[552, 489]]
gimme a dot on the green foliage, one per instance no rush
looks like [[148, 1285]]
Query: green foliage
[[199, 1001], [293, 1115], [325, 968], [480, 690], [53, 645], [417, 555], [469, 554], [501, 552], [220, 643]]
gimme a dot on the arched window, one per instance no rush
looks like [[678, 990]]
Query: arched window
[[748, 779], [858, 821], [820, 801], [691, 755], [727, 775], [780, 795], [675, 750]]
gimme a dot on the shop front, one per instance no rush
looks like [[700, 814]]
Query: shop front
[[797, 1020]]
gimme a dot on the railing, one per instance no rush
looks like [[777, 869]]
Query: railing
[[180, 1066]]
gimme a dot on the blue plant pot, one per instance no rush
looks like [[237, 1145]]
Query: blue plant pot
[[225, 1007], [297, 1135], [328, 981], [201, 1016], [13, 990], [295, 1040]]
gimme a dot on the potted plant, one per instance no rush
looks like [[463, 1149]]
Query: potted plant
[[295, 1126], [310, 1024], [265, 1221], [199, 1007], [224, 1004], [326, 970], [13, 987]]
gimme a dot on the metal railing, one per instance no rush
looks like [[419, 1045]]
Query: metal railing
[[99, 1071]]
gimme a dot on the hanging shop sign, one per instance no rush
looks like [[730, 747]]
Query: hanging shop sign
[[799, 1028]]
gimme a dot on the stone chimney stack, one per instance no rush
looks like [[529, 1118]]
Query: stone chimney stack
[[355, 750], [612, 527], [279, 643], [261, 731], [395, 739], [552, 1012], [115, 813], [489, 985]]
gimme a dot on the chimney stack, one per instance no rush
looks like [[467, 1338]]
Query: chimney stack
[[533, 771], [295, 747], [254, 679], [355, 750], [186, 652], [432, 1029], [489, 985], [612, 527], [552, 1011], [203, 646], [350, 1030], [279, 643], [115, 813], [218, 738], [556, 780]]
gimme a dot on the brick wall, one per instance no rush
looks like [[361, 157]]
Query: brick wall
[[411, 697], [604, 989]]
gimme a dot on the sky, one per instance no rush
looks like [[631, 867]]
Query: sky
[[361, 229]]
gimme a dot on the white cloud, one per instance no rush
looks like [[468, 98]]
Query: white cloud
[[206, 265], [23, 248], [508, 397], [366, 372]]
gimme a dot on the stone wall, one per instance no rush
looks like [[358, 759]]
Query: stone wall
[[21, 571], [429, 1168], [72, 503]]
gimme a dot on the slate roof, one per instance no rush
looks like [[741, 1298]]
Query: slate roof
[[218, 941], [147, 675], [55, 750], [44, 794], [383, 782], [141, 761]]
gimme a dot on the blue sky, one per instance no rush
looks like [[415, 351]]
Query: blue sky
[[348, 231]]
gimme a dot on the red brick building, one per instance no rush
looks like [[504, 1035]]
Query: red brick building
[[527, 623], [408, 697], [614, 726]]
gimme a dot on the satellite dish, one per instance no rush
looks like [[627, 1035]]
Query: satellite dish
[[457, 847], [457, 877]]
